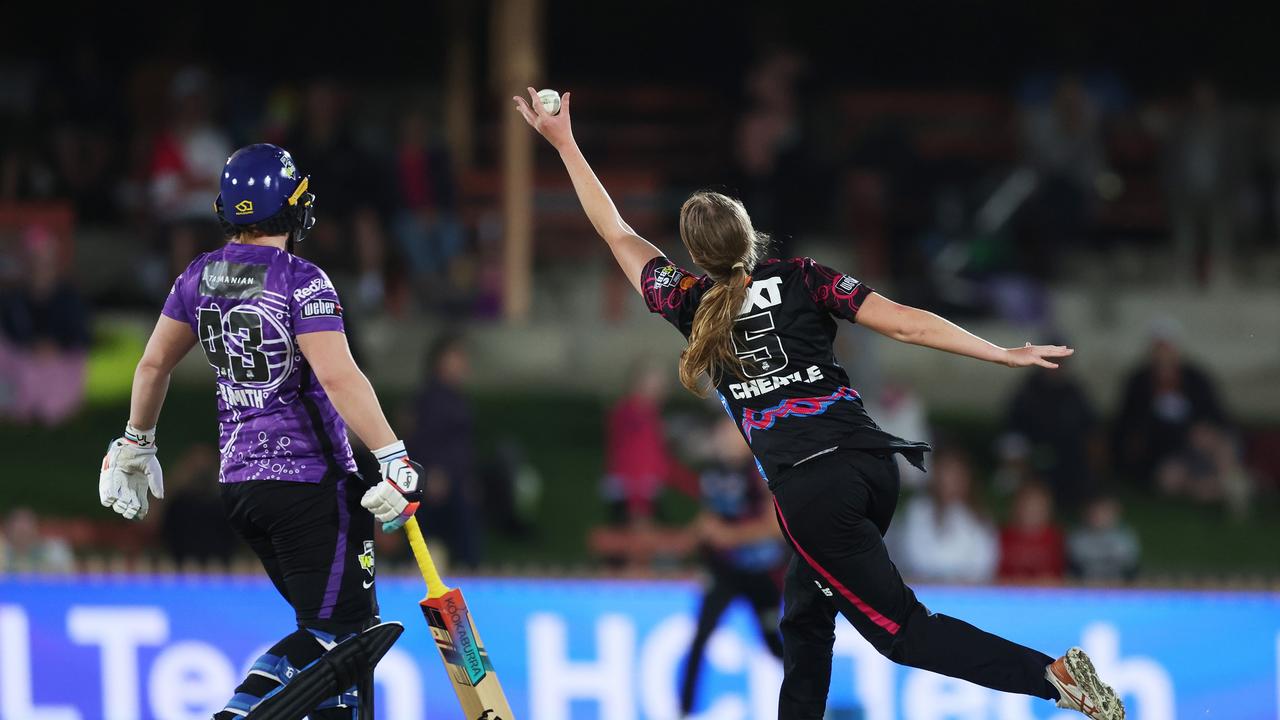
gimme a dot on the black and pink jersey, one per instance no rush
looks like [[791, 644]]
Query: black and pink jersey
[[248, 304], [793, 400]]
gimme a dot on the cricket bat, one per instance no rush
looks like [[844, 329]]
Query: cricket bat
[[465, 659]]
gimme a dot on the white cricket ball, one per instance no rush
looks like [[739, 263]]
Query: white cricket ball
[[550, 101]]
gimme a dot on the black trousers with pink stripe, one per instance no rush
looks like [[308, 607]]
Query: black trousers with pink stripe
[[835, 510]]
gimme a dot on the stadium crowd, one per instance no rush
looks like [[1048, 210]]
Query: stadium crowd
[[968, 204]]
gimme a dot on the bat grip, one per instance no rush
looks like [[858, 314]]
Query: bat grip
[[435, 586]]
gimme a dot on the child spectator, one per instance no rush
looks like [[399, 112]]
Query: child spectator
[[1104, 548], [1031, 545]]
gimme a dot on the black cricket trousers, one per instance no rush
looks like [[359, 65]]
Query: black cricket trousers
[[316, 543], [835, 510]]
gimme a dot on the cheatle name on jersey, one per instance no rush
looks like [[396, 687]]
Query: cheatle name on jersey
[[760, 386], [788, 395]]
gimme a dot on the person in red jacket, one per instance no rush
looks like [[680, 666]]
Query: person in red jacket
[[637, 462], [1031, 544]]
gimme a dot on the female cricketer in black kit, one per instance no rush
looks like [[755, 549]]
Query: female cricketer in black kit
[[762, 331], [270, 324]]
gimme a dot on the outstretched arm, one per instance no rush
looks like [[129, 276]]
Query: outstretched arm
[[919, 327], [629, 249]]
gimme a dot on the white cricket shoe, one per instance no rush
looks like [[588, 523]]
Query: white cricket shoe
[[1078, 684]]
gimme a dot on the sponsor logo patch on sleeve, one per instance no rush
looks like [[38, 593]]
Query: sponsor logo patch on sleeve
[[667, 276], [321, 308], [846, 284], [688, 282]]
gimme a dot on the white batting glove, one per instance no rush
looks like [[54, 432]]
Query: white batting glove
[[129, 469], [396, 497]]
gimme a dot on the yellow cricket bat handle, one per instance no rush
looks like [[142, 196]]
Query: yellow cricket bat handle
[[435, 586]]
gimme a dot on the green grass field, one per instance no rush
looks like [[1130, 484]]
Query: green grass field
[[54, 471]]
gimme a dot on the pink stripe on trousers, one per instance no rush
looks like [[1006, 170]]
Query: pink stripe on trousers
[[889, 626]]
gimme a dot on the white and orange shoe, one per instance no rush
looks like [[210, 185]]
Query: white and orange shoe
[[1080, 689]]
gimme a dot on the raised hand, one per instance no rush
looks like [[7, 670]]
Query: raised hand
[[555, 128], [1029, 355]]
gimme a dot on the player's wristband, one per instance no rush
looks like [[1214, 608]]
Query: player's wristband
[[390, 452], [141, 438]]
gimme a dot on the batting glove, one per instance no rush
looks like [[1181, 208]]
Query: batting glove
[[129, 469], [395, 499]]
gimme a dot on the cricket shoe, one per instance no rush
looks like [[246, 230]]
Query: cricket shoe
[[1080, 689]]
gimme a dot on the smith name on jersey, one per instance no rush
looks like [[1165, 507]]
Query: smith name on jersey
[[789, 395], [247, 304]]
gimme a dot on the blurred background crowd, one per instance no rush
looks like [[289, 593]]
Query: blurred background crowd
[[1123, 198]]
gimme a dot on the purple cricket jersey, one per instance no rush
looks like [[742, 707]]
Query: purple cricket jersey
[[247, 305]]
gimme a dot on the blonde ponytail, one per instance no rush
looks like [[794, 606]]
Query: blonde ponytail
[[710, 349], [717, 232]]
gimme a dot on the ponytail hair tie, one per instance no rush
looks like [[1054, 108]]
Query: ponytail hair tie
[[739, 265]]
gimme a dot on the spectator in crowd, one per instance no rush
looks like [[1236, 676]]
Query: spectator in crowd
[[1062, 141], [745, 554], [24, 549], [426, 224], [443, 436], [944, 536], [1173, 432], [637, 461], [899, 410], [1205, 177], [1031, 544], [775, 171], [349, 234], [1055, 430], [44, 334], [185, 167], [1104, 548], [194, 522]]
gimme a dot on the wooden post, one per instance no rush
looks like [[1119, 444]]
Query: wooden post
[[517, 45], [459, 83]]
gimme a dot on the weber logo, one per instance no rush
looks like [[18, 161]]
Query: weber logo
[[847, 285], [238, 281], [321, 308]]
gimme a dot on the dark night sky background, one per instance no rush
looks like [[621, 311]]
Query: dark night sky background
[[918, 44]]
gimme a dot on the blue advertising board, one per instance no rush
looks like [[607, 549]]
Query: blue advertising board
[[121, 648]]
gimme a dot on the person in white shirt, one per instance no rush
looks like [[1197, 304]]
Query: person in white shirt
[[943, 536]]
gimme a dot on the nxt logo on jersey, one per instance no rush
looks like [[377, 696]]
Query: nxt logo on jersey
[[762, 294], [242, 398], [760, 386]]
